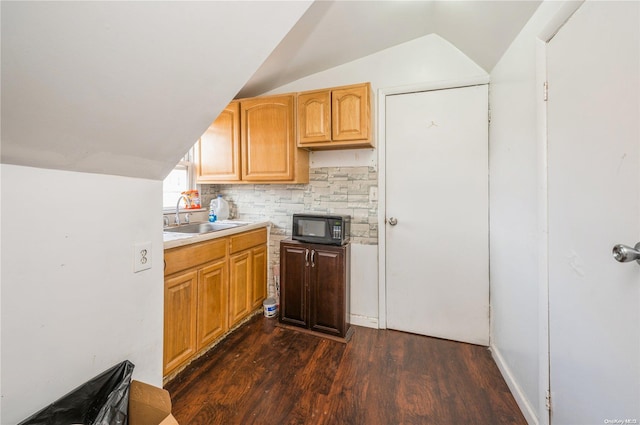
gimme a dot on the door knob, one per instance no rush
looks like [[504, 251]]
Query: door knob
[[393, 221], [624, 254]]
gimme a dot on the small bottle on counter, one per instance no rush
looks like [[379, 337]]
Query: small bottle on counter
[[212, 211]]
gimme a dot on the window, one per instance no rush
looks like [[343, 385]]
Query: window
[[181, 178]]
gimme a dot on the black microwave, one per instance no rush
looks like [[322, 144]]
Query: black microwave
[[322, 229]]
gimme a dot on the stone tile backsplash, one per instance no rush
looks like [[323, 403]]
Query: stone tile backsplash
[[331, 190]]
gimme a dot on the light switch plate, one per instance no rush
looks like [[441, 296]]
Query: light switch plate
[[141, 256]]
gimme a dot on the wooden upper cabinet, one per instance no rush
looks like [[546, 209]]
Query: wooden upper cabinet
[[314, 117], [218, 150], [335, 118], [350, 113], [268, 140]]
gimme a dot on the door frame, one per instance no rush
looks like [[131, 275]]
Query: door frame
[[561, 15], [382, 209], [544, 403]]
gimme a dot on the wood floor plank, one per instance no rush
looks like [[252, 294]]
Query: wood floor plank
[[263, 374]]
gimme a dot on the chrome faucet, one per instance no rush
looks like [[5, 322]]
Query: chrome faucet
[[177, 221]]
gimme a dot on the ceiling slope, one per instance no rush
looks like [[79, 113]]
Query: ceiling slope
[[332, 33], [125, 88]]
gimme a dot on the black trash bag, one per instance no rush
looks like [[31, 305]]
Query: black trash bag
[[103, 400]]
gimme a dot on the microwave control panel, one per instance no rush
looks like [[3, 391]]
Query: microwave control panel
[[337, 231]]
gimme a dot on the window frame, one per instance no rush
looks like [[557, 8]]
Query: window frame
[[188, 162]]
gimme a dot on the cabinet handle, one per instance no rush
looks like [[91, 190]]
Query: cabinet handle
[[313, 258], [306, 257]]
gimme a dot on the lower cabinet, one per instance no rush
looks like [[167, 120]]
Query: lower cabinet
[[315, 287], [258, 276], [208, 290], [212, 320], [240, 266], [180, 305], [248, 274]]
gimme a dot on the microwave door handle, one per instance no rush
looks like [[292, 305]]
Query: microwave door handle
[[306, 257]]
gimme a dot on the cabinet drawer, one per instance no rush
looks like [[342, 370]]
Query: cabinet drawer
[[182, 258], [246, 240]]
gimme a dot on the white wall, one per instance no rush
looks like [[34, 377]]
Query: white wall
[[71, 304], [425, 59], [518, 216]]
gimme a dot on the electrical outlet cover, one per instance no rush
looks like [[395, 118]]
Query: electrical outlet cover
[[141, 256]]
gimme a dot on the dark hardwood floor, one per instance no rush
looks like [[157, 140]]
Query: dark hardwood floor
[[264, 374]]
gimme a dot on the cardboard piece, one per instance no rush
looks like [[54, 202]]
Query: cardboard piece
[[149, 405]]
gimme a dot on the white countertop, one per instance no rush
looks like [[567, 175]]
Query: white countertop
[[175, 239]]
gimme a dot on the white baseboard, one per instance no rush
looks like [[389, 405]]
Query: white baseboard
[[367, 322], [526, 408]]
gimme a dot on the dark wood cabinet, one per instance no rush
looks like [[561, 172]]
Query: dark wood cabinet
[[315, 287], [294, 259]]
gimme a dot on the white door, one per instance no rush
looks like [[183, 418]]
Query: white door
[[593, 66], [437, 277]]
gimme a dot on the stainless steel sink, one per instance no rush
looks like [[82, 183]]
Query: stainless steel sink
[[202, 227]]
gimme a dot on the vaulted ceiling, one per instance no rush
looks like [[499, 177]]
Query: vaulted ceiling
[[332, 33], [124, 88]]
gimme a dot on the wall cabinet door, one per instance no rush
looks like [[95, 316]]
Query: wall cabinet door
[[212, 318], [270, 153], [314, 117], [180, 294], [218, 150], [336, 118], [350, 113]]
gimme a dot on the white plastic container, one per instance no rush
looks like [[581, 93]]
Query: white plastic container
[[221, 208], [212, 211], [270, 309]]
